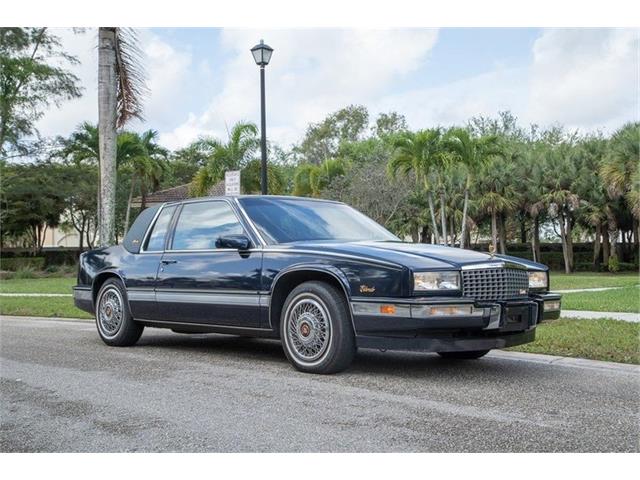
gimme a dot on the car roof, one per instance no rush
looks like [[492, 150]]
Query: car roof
[[270, 197]]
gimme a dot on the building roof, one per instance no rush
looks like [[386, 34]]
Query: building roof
[[176, 194]]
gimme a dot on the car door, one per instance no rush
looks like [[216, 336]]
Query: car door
[[200, 283], [142, 267]]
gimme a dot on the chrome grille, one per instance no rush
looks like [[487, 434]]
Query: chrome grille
[[494, 283]]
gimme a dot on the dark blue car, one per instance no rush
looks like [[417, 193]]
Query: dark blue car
[[317, 274]]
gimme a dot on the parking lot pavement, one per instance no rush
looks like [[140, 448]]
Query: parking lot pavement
[[64, 390]]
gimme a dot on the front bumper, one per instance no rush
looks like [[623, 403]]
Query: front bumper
[[450, 324]]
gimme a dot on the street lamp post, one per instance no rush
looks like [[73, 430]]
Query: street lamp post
[[262, 54]]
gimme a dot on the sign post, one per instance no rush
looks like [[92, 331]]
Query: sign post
[[232, 182]]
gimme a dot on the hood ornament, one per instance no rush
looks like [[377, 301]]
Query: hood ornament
[[492, 250]]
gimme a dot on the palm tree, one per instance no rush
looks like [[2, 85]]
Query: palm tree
[[498, 193], [239, 150], [147, 160], [310, 180], [472, 152], [120, 92], [620, 170], [419, 153], [559, 196]]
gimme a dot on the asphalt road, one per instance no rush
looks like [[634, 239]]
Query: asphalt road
[[64, 390]]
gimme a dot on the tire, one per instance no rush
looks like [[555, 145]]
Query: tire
[[114, 322], [315, 329], [468, 355]]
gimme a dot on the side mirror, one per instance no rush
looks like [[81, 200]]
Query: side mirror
[[238, 242]]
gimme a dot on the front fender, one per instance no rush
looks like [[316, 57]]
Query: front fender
[[335, 272]]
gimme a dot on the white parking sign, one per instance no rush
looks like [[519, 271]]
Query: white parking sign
[[232, 182]]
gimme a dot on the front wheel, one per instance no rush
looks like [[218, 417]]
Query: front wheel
[[116, 326], [468, 355], [316, 330]]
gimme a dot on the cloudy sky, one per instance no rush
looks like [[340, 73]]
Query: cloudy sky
[[203, 80]]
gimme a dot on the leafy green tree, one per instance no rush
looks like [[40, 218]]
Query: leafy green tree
[[419, 153], [620, 169], [497, 193], [310, 180], [559, 195], [33, 75], [32, 200], [473, 152], [250, 178], [235, 154], [322, 140], [389, 124], [147, 160]]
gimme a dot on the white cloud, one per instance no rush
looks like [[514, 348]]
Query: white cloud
[[585, 78], [312, 72], [166, 69]]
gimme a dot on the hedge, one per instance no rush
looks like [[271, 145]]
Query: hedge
[[18, 263]]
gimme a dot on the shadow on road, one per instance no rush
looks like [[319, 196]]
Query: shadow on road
[[269, 352]]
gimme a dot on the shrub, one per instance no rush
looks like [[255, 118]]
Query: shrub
[[614, 264], [16, 263], [25, 272]]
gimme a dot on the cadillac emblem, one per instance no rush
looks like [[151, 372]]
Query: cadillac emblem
[[492, 250]]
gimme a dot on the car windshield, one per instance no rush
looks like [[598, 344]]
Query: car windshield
[[282, 220]]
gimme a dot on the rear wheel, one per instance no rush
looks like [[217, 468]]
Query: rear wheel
[[315, 329], [469, 355], [116, 326]]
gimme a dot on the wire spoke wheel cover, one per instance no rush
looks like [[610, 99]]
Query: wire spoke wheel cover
[[110, 312], [308, 327]]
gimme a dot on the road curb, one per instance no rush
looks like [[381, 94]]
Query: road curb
[[564, 361]]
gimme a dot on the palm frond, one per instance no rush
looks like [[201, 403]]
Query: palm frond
[[130, 75]]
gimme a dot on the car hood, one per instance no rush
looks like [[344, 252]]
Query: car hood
[[417, 256]]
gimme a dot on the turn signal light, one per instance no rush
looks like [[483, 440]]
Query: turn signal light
[[388, 309]]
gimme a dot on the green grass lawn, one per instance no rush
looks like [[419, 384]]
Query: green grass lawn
[[625, 299], [37, 285], [41, 307], [609, 340], [562, 281]]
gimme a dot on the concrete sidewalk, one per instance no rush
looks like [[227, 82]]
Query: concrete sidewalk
[[625, 316]]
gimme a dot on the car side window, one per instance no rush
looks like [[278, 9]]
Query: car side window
[[201, 224], [155, 243]]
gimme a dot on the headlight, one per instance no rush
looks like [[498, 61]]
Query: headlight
[[538, 280], [430, 281]]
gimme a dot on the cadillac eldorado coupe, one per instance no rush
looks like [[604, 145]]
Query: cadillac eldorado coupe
[[317, 274]]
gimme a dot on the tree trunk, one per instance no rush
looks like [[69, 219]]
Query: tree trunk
[[570, 243], [535, 239], [597, 245], [128, 212], [81, 242], [107, 88], [565, 248], [433, 218], [463, 231], [452, 229], [523, 231], [424, 234], [503, 235], [443, 217], [494, 230], [606, 246]]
